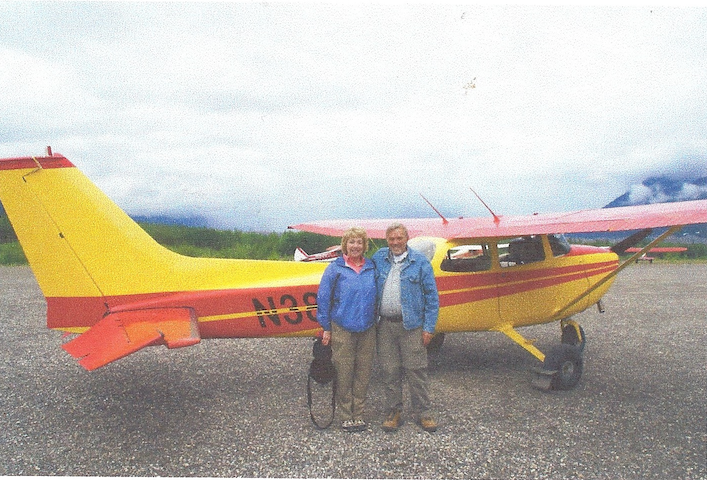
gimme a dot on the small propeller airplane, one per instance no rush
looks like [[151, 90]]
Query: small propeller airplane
[[106, 280], [329, 255], [659, 251]]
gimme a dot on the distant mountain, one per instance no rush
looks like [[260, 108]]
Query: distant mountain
[[662, 189], [188, 221], [191, 221]]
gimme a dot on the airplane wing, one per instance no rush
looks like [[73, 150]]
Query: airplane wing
[[658, 250], [582, 221], [122, 333]]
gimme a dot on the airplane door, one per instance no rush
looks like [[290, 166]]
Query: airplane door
[[521, 296], [467, 289], [536, 278]]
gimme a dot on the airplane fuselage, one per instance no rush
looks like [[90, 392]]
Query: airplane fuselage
[[497, 292]]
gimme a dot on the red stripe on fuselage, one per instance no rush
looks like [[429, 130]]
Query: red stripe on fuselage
[[246, 312], [482, 286], [255, 312]]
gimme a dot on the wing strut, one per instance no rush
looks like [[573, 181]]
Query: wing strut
[[612, 274], [621, 247]]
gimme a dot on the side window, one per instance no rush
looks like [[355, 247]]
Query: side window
[[467, 258], [559, 245], [521, 251]]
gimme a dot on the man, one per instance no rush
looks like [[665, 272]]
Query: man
[[408, 307]]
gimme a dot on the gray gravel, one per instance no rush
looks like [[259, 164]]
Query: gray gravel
[[237, 408]]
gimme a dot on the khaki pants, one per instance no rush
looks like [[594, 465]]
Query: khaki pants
[[401, 353], [352, 356]]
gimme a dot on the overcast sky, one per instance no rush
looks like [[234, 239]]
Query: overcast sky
[[261, 115]]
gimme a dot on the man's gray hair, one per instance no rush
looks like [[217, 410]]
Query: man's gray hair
[[396, 226]]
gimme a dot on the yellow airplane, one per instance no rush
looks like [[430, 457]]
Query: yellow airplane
[[108, 281]]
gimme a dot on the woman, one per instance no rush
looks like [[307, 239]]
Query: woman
[[345, 310]]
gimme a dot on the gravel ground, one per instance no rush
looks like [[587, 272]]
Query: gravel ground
[[237, 408]]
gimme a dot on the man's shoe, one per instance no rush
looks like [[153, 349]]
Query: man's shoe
[[392, 421], [428, 423], [348, 426], [359, 425]]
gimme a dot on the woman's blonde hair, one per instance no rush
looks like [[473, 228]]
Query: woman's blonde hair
[[354, 232]]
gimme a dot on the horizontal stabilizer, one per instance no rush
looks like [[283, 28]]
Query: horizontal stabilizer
[[122, 333]]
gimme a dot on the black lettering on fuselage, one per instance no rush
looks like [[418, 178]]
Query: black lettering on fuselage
[[264, 312], [293, 308], [310, 299], [294, 315]]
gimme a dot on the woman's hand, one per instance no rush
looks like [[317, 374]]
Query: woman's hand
[[326, 338]]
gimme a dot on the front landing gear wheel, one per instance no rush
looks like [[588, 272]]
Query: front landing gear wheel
[[567, 363], [573, 334]]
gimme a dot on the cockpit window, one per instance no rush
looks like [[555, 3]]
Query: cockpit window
[[423, 245], [559, 245], [521, 251], [467, 258]]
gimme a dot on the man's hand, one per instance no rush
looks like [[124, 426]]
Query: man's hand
[[426, 338], [326, 338]]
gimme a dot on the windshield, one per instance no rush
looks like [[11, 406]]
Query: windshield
[[559, 245]]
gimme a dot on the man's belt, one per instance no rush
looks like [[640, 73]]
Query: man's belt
[[394, 319]]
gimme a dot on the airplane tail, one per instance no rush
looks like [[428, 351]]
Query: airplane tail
[[102, 275], [82, 248], [300, 255], [88, 255]]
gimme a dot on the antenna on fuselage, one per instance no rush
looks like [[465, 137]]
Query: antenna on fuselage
[[444, 220], [496, 218]]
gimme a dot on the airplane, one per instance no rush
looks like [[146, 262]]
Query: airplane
[[109, 283], [329, 255], [659, 251]]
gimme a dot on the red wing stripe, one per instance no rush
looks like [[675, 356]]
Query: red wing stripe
[[56, 161]]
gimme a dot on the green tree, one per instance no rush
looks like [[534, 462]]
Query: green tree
[[7, 233], [309, 242]]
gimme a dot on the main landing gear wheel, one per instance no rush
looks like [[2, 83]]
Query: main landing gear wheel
[[573, 334], [563, 366], [567, 364]]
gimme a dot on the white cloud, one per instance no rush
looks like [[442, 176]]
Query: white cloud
[[692, 192], [262, 115]]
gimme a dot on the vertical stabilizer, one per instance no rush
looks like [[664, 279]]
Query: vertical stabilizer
[[81, 246]]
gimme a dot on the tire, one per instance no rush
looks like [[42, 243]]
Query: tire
[[567, 360], [569, 337]]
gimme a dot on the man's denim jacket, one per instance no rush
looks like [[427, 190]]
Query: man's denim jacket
[[418, 289]]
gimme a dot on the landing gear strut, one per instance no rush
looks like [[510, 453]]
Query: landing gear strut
[[573, 334]]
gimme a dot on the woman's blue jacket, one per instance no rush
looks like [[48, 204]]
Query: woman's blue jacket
[[347, 298]]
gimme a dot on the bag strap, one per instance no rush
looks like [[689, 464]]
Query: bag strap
[[309, 403], [333, 388]]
